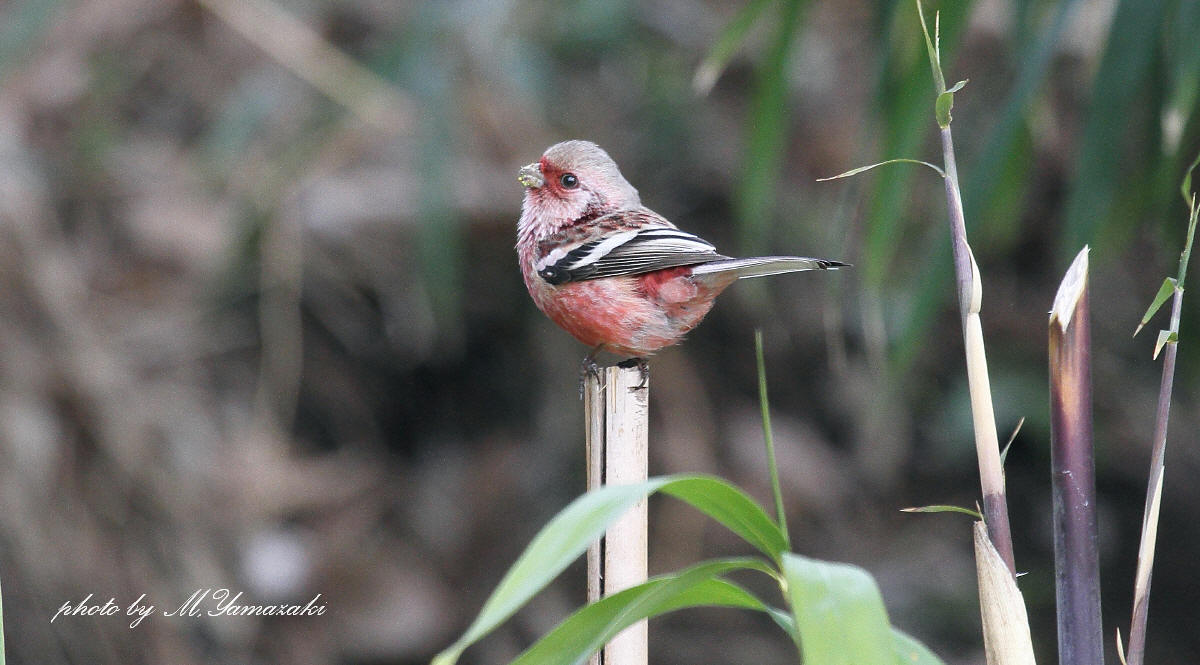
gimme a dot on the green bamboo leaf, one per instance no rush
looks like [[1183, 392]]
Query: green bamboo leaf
[[900, 160], [591, 627], [1186, 186], [1164, 292], [559, 543], [733, 508], [839, 613], [1164, 337], [569, 533], [727, 44], [944, 103], [769, 438], [943, 509], [933, 46]]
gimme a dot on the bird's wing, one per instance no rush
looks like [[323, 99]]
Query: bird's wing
[[621, 243]]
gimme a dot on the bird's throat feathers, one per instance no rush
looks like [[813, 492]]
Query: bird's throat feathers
[[544, 214]]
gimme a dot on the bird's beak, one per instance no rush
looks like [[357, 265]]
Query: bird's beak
[[531, 176]]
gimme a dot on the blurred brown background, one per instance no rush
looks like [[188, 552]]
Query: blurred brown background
[[261, 324]]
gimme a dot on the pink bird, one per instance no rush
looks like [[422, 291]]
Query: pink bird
[[616, 275]]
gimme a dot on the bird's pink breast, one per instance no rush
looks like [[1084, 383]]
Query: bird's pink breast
[[629, 315]]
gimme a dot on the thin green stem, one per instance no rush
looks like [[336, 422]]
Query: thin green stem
[[1187, 247], [1142, 579], [772, 465]]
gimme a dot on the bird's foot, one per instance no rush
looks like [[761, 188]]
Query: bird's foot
[[643, 370], [589, 367]]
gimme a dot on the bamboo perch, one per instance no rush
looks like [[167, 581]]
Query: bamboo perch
[[617, 416]]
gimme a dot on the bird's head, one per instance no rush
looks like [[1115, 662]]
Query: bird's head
[[573, 180]]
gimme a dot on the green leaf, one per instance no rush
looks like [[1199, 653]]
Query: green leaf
[[769, 438], [1164, 337], [726, 45], [901, 160], [559, 543], [1164, 292], [569, 533], [1186, 186], [941, 109], [839, 613], [944, 103], [733, 508], [590, 628], [933, 47], [943, 509]]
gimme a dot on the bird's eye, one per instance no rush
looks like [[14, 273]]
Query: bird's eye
[[569, 181]]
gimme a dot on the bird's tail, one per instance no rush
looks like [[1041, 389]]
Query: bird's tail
[[761, 266]]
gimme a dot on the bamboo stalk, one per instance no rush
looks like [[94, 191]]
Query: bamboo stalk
[[1145, 565], [593, 413], [1002, 607], [1149, 538], [617, 412], [970, 300], [1076, 555]]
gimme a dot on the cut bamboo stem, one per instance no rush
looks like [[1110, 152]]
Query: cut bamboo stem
[[616, 408], [593, 413], [1073, 482]]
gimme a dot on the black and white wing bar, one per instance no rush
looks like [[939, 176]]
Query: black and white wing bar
[[631, 252]]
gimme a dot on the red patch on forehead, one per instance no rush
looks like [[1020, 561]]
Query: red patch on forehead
[[551, 173]]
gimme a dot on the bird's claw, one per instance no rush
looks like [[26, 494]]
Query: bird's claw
[[589, 367], [643, 371]]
